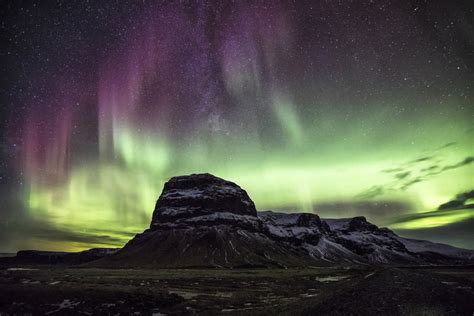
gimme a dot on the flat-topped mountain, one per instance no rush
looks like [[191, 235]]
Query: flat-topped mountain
[[204, 221], [203, 200]]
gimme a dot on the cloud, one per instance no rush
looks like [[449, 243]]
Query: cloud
[[402, 175], [412, 172], [392, 170], [430, 168], [374, 191], [465, 196], [422, 159], [408, 184], [466, 161], [447, 145], [438, 217], [452, 222], [459, 201]]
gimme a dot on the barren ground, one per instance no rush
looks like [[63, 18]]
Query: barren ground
[[322, 291]]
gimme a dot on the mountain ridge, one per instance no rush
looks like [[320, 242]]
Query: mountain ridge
[[201, 220]]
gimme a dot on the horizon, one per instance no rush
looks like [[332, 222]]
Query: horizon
[[397, 231]]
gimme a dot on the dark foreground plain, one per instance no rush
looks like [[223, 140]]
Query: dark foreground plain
[[321, 291]]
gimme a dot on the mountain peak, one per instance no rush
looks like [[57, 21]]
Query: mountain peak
[[360, 223], [201, 197]]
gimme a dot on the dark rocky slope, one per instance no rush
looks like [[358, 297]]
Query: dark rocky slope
[[204, 221]]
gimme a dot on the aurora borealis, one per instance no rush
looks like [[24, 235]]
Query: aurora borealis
[[338, 108]]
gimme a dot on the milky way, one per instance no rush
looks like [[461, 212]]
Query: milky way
[[342, 109]]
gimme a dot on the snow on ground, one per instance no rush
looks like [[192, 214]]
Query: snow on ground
[[330, 278], [67, 303]]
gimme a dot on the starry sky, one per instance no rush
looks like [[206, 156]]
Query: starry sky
[[340, 108]]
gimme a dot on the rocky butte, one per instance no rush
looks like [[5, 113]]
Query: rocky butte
[[204, 221]]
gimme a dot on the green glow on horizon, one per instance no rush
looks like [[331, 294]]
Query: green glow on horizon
[[436, 220], [119, 194]]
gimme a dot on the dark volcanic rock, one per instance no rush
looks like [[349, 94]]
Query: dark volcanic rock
[[360, 223], [296, 228], [203, 199], [308, 220], [213, 246]]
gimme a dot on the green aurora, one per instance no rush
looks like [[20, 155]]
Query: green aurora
[[337, 108], [306, 171]]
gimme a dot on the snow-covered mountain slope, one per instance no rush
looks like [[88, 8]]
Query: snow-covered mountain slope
[[427, 247], [377, 245], [344, 240], [296, 228], [381, 245]]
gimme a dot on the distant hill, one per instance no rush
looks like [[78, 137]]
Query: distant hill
[[36, 257]]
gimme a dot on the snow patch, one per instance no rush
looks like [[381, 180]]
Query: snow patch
[[67, 303], [330, 278]]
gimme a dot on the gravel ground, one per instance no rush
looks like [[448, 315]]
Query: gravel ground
[[321, 291]]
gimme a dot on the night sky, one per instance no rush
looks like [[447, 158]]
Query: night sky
[[341, 108]]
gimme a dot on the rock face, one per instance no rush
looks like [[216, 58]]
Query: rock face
[[201, 195], [203, 199], [368, 242], [296, 229], [204, 221]]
